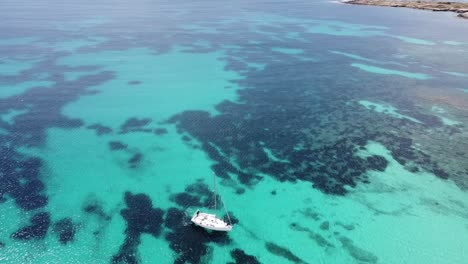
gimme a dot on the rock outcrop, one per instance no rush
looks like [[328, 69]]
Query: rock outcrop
[[461, 8]]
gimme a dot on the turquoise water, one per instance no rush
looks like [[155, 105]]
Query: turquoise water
[[336, 134]]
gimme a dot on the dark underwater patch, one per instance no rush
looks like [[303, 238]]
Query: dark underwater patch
[[135, 125], [160, 131], [141, 218], [308, 121], [309, 213], [117, 145], [232, 218], [329, 167], [356, 252], [282, 252], [319, 239], [19, 179], [43, 112], [348, 227], [134, 82], [241, 257], [325, 225], [189, 241], [65, 229], [100, 129], [377, 162], [135, 160], [186, 138], [19, 174], [39, 225], [195, 195], [94, 207]]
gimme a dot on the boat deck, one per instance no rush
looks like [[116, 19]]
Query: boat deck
[[210, 221]]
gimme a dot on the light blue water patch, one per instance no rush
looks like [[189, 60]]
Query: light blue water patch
[[14, 67], [75, 75], [76, 44], [303, 58], [440, 112], [169, 84], [200, 29], [398, 189], [270, 154], [438, 109], [327, 27], [293, 35], [15, 89], [384, 71], [202, 43], [272, 35], [256, 66], [17, 41], [448, 122], [10, 115], [353, 56], [413, 40], [358, 57], [458, 74], [344, 29], [255, 42], [289, 51], [454, 43], [386, 109], [401, 56], [464, 90]]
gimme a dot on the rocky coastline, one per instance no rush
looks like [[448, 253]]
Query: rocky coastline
[[460, 8]]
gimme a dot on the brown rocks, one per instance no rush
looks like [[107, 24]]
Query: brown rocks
[[461, 8]]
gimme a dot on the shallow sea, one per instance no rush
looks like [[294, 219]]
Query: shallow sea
[[336, 133]]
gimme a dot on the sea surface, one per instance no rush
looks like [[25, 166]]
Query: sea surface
[[336, 133]]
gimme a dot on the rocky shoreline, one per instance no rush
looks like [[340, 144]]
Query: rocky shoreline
[[460, 8]]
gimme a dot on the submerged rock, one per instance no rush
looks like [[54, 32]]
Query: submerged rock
[[134, 82], [40, 223], [325, 225], [65, 229], [135, 125], [357, 253], [243, 258], [197, 194], [100, 129], [282, 252], [377, 162], [141, 218], [94, 207], [117, 145], [160, 131], [135, 160]]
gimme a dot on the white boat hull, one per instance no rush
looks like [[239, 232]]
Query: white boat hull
[[210, 221]]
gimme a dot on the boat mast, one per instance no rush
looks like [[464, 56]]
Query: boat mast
[[214, 190]]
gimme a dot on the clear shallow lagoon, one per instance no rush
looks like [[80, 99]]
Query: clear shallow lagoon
[[338, 134]]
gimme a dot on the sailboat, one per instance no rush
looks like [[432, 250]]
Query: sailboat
[[211, 221]]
